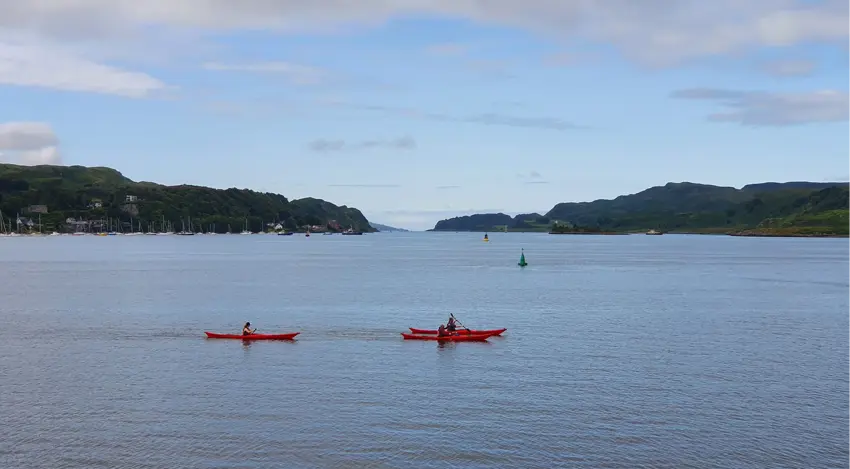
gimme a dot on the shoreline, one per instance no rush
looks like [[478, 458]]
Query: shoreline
[[600, 233], [139, 233], [700, 233], [787, 235]]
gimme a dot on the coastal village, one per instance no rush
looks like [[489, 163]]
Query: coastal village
[[28, 222]]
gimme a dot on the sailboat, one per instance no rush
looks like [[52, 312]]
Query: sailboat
[[133, 231], [167, 228], [111, 231], [522, 262], [245, 231], [183, 231]]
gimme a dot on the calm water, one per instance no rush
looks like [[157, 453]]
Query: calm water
[[621, 352]]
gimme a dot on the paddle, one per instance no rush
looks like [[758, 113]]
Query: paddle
[[458, 321]]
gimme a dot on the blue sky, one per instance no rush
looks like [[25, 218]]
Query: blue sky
[[415, 111]]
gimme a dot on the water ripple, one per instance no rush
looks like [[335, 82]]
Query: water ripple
[[621, 352]]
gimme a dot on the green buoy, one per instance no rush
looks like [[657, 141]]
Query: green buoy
[[522, 262]]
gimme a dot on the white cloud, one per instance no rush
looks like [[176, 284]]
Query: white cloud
[[534, 175], [46, 66], [654, 31], [29, 143], [756, 108], [532, 178], [325, 145], [26, 136], [490, 118], [788, 68], [46, 155], [448, 49], [296, 74]]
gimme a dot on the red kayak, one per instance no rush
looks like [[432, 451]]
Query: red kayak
[[290, 336], [460, 331], [448, 338]]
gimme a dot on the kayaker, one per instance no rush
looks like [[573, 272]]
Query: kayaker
[[246, 329], [442, 331], [450, 326]]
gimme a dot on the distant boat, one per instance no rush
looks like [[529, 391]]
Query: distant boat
[[284, 233], [654, 232], [486, 238], [183, 232], [522, 262]]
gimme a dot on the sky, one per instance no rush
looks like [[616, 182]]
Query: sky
[[416, 110]]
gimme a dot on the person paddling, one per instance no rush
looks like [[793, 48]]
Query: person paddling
[[442, 331], [246, 329], [450, 326]]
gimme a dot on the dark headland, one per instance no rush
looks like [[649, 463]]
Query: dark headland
[[804, 209]]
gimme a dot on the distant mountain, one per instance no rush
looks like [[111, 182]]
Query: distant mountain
[[795, 207], [83, 194], [773, 186], [386, 228]]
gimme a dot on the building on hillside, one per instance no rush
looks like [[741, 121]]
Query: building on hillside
[[77, 226], [37, 209], [24, 221], [131, 198]]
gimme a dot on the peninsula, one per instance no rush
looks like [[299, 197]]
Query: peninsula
[[387, 228], [767, 209], [86, 199]]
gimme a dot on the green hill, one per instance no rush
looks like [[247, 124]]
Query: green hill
[[495, 222], [97, 193], [796, 208]]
